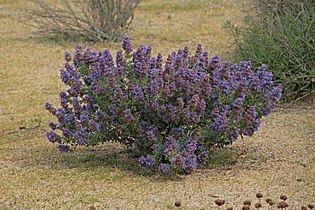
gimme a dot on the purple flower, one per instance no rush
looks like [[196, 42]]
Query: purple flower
[[250, 121], [150, 106], [170, 145], [237, 106], [88, 80], [267, 110], [80, 137], [198, 49], [126, 45], [276, 93], [84, 119], [180, 103], [215, 59], [191, 143], [63, 99], [220, 122], [178, 161], [194, 101], [61, 115], [235, 133], [119, 59], [191, 164], [78, 57], [129, 118], [100, 115], [63, 148], [93, 125], [69, 118], [52, 136], [265, 77], [225, 87], [100, 126], [188, 160], [78, 125], [192, 117], [48, 106], [66, 133], [139, 93], [153, 88], [64, 76], [52, 125], [76, 105], [67, 56], [143, 125], [151, 136], [148, 161], [164, 169], [177, 132], [112, 108], [255, 83]]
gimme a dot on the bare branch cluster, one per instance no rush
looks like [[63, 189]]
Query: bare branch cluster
[[94, 20], [277, 7]]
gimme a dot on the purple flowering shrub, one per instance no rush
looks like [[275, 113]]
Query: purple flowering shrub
[[173, 112]]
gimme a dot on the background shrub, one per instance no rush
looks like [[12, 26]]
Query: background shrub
[[173, 113], [280, 34], [93, 20]]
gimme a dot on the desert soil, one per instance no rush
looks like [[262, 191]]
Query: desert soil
[[278, 159]]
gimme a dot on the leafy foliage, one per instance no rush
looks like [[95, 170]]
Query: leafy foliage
[[172, 113], [280, 34]]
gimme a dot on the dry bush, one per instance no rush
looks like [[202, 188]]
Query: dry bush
[[94, 20], [277, 7]]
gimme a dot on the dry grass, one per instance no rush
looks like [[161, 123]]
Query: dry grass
[[279, 159]]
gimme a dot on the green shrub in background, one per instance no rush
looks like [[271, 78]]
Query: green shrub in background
[[280, 34]]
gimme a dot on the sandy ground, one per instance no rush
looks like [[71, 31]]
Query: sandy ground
[[278, 159]]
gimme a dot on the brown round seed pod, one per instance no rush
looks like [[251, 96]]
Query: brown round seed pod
[[283, 197], [311, 205], [246, 207], [258, 205], [259, 195], [178, 204], [247, 202], [303, 208], [268, 200], [230, 208], [271, 203], [282, 205], [219, 202]]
